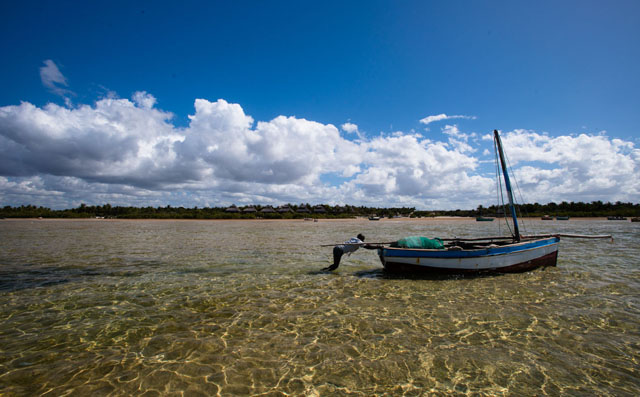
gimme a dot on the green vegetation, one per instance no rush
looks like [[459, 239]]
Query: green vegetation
[[260, 212], [324, 211], [572, 209]]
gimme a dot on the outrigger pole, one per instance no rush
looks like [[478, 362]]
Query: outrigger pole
[[472, 239], [507, 184], [374, 243]]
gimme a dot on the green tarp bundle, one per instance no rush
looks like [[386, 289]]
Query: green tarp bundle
[[419, 242]]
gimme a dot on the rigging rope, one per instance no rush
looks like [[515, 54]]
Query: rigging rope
[[500, 192], [523, 223]]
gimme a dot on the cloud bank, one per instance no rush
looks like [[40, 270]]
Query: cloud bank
[[128, 152], [581, 167]]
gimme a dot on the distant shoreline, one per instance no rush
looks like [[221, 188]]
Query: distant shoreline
[[363, 219], [596, 209]]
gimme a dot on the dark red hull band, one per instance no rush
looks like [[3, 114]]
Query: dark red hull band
[[546, 260]]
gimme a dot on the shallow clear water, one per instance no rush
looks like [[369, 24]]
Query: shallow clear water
[[96, 307]]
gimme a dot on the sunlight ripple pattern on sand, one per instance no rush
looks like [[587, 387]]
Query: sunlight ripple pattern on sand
[[239, 308]]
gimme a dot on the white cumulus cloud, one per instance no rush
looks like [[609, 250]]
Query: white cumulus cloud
[[349, 127], [579, 168], [352, 129]]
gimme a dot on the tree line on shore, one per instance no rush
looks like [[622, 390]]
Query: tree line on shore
[[324, 211], [301, 211]]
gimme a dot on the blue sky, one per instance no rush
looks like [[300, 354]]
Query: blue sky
[[341, 85]]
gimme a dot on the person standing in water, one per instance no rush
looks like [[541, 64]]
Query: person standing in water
[[347, 247]]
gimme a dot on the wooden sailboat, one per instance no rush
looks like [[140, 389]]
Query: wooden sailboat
[[474, 255], [516, 253]]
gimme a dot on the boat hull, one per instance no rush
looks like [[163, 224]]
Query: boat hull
[[517, 257]]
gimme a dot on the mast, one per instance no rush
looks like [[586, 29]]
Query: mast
[[507, 183]]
